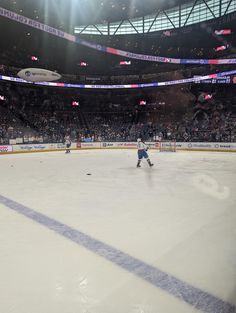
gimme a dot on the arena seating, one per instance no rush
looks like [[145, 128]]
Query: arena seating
[[47, 115]]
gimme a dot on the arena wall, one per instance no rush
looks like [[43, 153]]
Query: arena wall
[[188, 146]]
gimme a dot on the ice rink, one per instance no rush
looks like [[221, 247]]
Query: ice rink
[[121, 240]]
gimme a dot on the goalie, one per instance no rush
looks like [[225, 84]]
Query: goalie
[[142, 152]]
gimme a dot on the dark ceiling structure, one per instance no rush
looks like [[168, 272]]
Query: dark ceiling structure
[[20, 42], [66, 14]]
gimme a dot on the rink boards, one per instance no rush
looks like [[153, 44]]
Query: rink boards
[[189, 146]]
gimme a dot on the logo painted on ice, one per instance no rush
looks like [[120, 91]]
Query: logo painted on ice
[[210, 186]]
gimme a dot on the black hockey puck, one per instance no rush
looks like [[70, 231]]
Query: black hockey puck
[[88, 174]]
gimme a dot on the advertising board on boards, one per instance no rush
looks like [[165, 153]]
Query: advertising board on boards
[[4, 149]]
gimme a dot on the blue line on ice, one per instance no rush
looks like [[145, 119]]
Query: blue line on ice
[[195, 297]]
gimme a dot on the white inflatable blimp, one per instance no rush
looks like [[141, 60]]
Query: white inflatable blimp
[[38, 75]]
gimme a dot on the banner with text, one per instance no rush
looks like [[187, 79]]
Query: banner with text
[[5, 149]]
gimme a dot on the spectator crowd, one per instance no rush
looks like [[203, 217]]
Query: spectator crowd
[[38, 114]]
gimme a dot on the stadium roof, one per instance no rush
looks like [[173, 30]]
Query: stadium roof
[[70, 13], [181, 15], [20, 42]]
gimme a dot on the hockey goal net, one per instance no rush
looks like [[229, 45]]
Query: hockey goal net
[[168, 146]]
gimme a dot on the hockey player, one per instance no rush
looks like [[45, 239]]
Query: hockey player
[[68, 144], [142, 152]]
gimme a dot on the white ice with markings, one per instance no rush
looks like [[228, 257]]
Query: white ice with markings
[[179, 217]]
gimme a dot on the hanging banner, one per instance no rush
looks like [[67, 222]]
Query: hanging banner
[[56, 32], [223, 32], [128, 86]]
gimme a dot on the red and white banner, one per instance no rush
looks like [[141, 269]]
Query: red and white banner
[[125, 62], [167, 33], [5, 149], [221, 48], [223, 32]]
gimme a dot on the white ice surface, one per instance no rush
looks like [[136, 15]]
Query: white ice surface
[[179, 216]]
